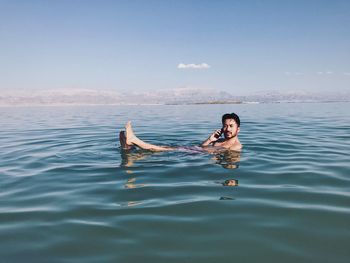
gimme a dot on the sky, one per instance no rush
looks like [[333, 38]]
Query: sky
[[241, 47]]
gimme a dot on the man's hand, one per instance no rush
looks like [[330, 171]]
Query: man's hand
[[212, 138], [215, 136]]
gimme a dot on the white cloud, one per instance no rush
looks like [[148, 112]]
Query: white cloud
[[193, 66], [288, 73], [320, 73], [347, 73], [329, 72]]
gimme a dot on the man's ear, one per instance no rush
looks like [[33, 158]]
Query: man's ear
[[238, 129]]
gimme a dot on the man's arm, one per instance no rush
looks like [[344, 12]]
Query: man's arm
[[212, 138], [207, 142]]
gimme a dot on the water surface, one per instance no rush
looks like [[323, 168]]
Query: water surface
[[69, 194]]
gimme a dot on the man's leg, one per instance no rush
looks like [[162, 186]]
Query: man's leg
[[122, 140], [131, 139]]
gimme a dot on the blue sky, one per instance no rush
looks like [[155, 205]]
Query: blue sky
[[247, 46]]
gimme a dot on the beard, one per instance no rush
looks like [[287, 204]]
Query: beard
[[230, 135]]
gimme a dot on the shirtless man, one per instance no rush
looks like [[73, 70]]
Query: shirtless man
[[230, 129]]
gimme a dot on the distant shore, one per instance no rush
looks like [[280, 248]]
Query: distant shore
[[163, 104], [180, 96]]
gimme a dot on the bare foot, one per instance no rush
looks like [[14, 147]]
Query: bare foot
[[129, 134], [131, 139], [122, 140]]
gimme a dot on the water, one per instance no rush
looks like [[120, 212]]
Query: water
[[68, 194]]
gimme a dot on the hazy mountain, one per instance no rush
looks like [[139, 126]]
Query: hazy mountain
[[170, 96], [58, 97], [296, 96], [85, 96]]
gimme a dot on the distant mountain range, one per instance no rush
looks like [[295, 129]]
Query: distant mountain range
[[173, 96]]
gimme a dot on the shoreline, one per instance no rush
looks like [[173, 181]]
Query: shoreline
[[163, 104]]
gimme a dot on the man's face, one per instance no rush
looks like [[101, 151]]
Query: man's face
[[230, 128]]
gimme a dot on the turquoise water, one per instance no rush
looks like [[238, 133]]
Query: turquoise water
[[68, 194]]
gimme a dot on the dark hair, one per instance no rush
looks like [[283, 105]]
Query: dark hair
[[233, 116]]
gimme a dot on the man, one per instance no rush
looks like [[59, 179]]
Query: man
[[230, 129]]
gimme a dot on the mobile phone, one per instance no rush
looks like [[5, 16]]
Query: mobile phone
[[218, 136]]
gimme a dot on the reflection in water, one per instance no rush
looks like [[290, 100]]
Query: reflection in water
[[226, 158], [226, 198], [133, 203], [230, 182], [131, 184], [131, 156]]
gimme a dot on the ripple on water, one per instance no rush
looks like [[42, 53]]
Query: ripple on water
[[69, 194]]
